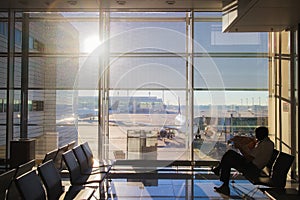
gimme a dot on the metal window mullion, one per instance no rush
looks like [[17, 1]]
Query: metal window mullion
[[280, 94], [191, 64], [103, 89], [190, 81], [292, 100], [106, 33], [298, 131], [24, 76], [10, 82], [274, 95], [101, 121]]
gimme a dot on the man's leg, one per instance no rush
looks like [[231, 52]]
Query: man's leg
[[231, 159]]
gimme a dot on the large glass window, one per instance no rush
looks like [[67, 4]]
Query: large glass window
[[3, 83], [60, 63], [142, 83], [147, 98], [230, 83]]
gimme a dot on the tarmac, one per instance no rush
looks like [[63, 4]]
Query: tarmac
[[176, 148]]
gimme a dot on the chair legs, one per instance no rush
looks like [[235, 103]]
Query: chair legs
[[244, 194], [102, 190]]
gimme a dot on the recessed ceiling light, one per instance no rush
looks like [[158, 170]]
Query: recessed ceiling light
[[72, 2], [170, 2], [23, 2], [121, 2]]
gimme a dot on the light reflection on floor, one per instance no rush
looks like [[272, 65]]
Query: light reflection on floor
[[165, 189]]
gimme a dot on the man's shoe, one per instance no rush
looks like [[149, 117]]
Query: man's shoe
[[224, 189], [216, 170]]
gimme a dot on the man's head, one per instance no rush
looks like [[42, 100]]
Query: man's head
[[261, 132]]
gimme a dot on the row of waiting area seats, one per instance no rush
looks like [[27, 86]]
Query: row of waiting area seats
[[56, 155], [88, 178]]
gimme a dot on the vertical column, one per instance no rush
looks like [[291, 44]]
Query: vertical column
[[297, 74], [10, 82], [24, 76]]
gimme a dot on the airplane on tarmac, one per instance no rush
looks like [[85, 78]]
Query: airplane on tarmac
[[85, 112], [180, 118], [179, 121]]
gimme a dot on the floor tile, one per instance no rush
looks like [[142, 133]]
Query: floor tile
[[167, 189]]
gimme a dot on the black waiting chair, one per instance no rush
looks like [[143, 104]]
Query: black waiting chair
[[53, 184], [276, 173], [92, 162], [30, 186], [58, 161], [71, 145], [26, 167], [51, 155], [13, 192], [266, 171], [77, 178], [5, 181], [83, 162], [89, 154]]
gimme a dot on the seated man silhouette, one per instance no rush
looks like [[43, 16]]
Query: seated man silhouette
[[250, 160]]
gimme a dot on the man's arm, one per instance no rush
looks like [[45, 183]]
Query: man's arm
[[244, 149]]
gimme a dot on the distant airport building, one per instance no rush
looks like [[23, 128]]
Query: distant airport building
[[138, 104]]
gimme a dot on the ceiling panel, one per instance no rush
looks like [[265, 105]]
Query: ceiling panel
[[264, 16], [112, 5]]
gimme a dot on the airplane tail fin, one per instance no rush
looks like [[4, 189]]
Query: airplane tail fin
[[115, 105], [179, 111], [114, 108]]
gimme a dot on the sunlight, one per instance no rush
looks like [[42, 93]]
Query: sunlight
[[91, 43]]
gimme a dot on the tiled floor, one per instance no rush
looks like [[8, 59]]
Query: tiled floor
[[167, 189], [179, 185]]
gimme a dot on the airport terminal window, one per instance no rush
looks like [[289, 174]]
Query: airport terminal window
[[3, 68], [18, 37], [3, 29], [31, 39], [283, 91], [162, 72], [37, 105], [17, 105], [33, 43], [54, 81], [230, 84], [147, 87], [231, 73], [210, 38]]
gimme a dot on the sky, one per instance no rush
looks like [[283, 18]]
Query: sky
[[237, 74]]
